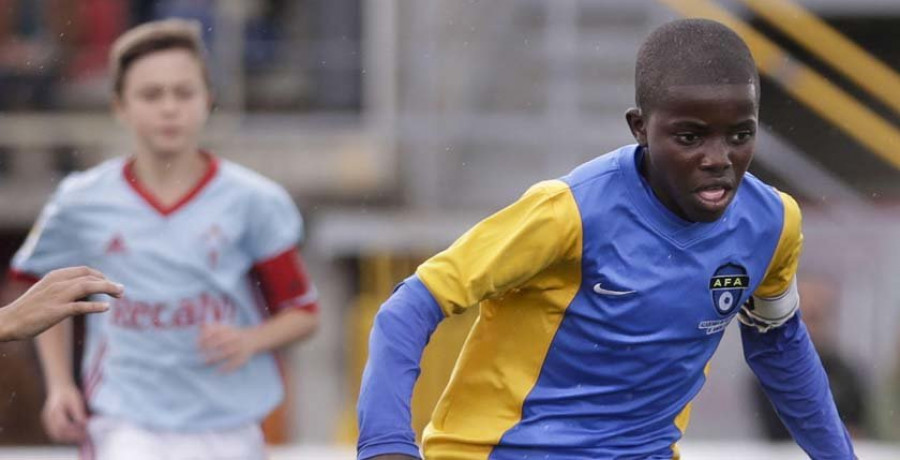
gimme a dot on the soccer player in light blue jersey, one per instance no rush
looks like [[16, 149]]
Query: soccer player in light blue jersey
[[604, 294], [182, 364]]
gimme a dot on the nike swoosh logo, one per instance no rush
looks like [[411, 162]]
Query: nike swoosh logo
[[598, 288]]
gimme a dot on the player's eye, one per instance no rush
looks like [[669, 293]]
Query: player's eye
[[184, 93], [150, 94], [741, 137], [687, 138]]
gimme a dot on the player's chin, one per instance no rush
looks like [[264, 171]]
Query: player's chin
[[168, 146]]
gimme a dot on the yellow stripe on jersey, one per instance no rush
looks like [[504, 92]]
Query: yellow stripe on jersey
[[523, 265], [783, 266], [683, 419], [507, 249]]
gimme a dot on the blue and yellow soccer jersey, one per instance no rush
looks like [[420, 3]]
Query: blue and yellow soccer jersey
[[600, 311]]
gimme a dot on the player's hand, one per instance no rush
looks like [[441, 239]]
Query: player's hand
[[54, 298], [64, 415], [226, 346]]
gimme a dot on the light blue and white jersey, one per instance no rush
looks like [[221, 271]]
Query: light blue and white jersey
[[182, 266]]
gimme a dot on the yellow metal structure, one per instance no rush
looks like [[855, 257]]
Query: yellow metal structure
[[831, 46]]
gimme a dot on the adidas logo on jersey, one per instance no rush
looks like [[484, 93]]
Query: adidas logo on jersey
[[116, 245]]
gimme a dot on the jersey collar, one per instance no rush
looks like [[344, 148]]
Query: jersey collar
[[131, 178], [677, 230]]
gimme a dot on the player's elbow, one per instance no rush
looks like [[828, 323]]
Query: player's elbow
[[407, 316], [312, 321], [302, 323]]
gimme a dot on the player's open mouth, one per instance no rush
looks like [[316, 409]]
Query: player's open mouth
[[714, 196]]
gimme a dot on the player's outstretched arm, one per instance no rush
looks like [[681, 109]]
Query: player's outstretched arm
[[779, 351], [790, 371], [500, 253], [402, 328], [54, 298]]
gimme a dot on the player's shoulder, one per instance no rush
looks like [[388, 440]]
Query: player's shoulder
[[547, 189], [600, 170], [98, 180], [764, 201], [249, 183]]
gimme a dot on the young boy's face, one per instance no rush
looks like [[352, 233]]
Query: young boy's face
[[165, 101], [699, 142]]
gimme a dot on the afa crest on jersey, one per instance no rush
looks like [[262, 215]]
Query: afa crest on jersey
[[727, 286]]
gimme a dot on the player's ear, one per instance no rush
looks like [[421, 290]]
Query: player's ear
[[211, 99], [637, 124]]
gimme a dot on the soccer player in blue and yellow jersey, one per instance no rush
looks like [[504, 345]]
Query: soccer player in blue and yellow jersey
[[604, 294]]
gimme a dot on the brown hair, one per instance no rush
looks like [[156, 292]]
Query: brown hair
[[151, 37]]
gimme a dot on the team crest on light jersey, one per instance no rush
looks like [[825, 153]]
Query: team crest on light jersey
[[215, 241], [727, 286]]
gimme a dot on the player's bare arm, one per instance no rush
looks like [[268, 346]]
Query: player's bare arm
[[44, 309], [53, 299], [231, 347]]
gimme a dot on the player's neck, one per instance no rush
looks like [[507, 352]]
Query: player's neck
[[170, 177]]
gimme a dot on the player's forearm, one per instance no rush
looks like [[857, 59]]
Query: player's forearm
[[8, 319], [402, 328], [55, 355], [7, 325], [52, 344], [792, 376], [285, 328]]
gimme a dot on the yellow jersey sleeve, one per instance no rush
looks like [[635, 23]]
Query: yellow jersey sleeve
[[507, 249], [783, 267]]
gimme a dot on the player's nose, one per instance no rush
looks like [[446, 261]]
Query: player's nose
[[717, 156], [169, 105]]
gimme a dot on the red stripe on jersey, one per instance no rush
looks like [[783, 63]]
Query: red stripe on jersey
[[143, 192], [86, 452], [285, 284], [24, 277], [95, 373]]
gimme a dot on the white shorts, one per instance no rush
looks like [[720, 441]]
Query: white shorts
[[114, 439]]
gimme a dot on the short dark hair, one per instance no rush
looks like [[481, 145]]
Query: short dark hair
[[691, 52], [151, 37]]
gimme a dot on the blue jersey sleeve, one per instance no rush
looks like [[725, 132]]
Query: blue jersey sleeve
[[402, 328], [791, 374]]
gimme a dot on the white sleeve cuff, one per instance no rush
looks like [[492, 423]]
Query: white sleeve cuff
[[767, 313]]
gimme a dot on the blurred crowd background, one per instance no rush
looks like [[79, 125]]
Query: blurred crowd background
[[397, 124]]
